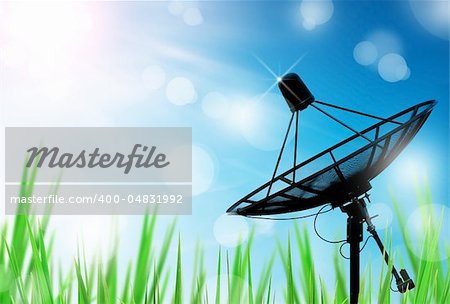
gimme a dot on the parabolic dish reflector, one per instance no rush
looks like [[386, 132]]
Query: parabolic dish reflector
[[340, 173]]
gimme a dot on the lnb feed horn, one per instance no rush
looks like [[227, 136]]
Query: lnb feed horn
[[295, 92]]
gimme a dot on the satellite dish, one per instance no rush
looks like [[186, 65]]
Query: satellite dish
[[344, 174]]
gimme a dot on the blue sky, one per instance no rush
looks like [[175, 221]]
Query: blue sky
[[199, 64]]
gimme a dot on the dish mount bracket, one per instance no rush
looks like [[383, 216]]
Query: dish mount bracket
[[357, 214]]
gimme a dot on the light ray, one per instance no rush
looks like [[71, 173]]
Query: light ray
[[265, 66], [277, 77], [266, 92], [295, 63]]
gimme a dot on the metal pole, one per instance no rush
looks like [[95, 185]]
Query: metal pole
[[354, 237]]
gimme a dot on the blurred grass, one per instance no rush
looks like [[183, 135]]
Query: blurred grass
[[29, 273]]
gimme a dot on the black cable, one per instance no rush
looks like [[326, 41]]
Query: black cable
[[347, 258], [390, 285], [317, 232], [290, 218], [360, 250], [340, 251], [365, 243]]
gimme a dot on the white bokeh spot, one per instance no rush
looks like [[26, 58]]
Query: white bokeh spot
[[215, 105], [392, 67], [231, 231], [153, 77], [309, 24], [180, 91], [263, 226], [365, 53], [202, 170], [407, 75], [192, 16], [383, 48], [176, 7], [316, 12], [433, 15]]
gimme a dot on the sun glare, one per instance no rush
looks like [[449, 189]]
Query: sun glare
[[50, 33], [412, 169]]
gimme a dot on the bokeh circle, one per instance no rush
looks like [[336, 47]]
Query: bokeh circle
[[365, 53], [215, 105], [180, 91], [316, 12], [392, 67], [230, 231]]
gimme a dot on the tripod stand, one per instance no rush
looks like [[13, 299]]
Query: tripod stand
[[357, 215]]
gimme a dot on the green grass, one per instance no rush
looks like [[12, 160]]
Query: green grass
[[29, 273]]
